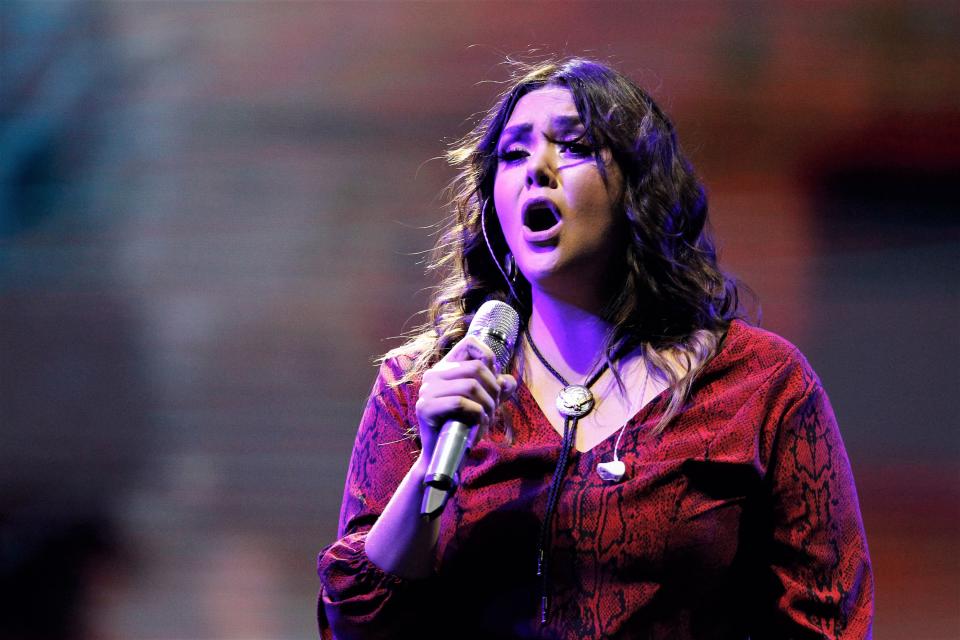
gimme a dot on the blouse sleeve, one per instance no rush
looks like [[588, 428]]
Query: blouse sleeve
[[819, 563], [357, 598]]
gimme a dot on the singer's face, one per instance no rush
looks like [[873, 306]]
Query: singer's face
[[556, 211]]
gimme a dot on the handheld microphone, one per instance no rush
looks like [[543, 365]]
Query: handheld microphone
[[496, 325]]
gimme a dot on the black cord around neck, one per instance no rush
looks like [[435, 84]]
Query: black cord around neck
[[556, 374], [569, 436]]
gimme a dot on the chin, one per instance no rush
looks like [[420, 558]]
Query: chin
[[561, 277], [539, 267], [555, 281]]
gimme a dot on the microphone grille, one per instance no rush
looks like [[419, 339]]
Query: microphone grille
[[497, 325]]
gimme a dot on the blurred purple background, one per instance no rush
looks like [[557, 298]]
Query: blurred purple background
[[210, 223]]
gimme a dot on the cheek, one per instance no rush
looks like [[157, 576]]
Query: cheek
[[501, 197], [505, 202], [590, 196], [510, 230], [606, 194]]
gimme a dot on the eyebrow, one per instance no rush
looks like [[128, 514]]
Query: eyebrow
[[561, 124]]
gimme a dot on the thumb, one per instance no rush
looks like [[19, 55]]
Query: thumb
[[508, 385]]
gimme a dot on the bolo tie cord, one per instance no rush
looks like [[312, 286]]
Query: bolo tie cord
[[543, 558], [569, 435]]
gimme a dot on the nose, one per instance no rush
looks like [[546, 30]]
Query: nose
[[540, 171]]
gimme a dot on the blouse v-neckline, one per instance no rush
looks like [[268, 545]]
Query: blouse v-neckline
[[640, 416], [557, 439]]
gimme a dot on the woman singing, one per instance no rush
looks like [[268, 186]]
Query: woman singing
[[698, 488]]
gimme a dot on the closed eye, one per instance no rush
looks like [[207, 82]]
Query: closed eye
[[576, 149], [512, 155], [573, 148]]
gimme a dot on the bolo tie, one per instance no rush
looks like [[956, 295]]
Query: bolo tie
[[573, 402]]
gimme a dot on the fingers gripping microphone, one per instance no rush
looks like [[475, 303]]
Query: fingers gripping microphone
[[496, 325]]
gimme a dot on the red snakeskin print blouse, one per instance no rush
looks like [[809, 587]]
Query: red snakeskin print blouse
[[739, 521]]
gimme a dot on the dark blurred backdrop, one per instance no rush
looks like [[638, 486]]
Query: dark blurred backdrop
[[210, 223]]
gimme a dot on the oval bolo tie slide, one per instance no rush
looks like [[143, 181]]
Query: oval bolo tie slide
[[574, 401]]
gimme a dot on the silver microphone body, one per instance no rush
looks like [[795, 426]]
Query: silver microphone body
[[495, 324], [454, 441]]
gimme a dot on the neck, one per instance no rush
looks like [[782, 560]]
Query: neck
[[569, 337]]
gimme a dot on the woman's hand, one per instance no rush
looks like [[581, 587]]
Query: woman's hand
[[463, 386]]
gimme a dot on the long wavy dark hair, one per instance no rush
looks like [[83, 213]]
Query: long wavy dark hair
[[671, 298]]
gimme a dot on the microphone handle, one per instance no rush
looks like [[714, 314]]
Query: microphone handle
[[454, 441]]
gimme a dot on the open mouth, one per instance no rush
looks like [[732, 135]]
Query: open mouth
[[540, 214]]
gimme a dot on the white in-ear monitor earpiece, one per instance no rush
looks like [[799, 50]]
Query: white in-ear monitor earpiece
[[612, 471]]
